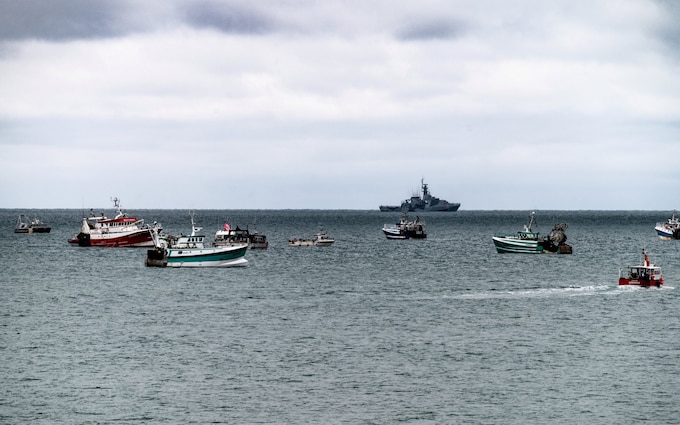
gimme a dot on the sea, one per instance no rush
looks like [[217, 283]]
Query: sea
[[366, 331]]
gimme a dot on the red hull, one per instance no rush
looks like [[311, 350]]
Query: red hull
[[640, 282], [141, 238]]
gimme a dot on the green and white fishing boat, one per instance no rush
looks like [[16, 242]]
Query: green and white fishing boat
[[527, 241], [190, 251]]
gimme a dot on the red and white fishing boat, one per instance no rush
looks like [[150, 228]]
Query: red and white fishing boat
[[120, 231], [646, 274]]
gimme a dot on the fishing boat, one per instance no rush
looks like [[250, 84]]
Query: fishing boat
[[405, 229], [228, 235], [670, 229], [120, 231], [645, 274], [319, 239], [190, 251], [26, 225], [527, 241]]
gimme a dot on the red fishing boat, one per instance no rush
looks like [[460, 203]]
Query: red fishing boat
[[646, 274], [120, 231]]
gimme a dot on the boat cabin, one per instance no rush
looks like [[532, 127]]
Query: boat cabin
[[529, 236], [191, 241]]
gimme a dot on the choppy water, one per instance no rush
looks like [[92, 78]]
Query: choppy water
[[367, 331]]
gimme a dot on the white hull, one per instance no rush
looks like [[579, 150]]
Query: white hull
[[229, 256], [515, 245], [394, 233], [237, 262], [666, 234]]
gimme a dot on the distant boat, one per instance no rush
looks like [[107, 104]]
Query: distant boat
[[189, 251], [320, 239], [670, 229], [227, 236], [527, 241], [426, 202], [120, 231], [645, 274], [405, 229], [26, 225]]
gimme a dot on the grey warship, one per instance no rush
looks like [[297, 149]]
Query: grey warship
[[426, 202]]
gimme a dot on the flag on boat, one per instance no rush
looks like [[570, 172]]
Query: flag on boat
[[226, 227]]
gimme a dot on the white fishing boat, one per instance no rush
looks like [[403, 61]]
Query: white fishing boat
[[405, 229], [670, 229], [190, 251], [120, 231]]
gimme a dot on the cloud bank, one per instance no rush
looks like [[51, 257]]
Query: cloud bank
[[338, 104]]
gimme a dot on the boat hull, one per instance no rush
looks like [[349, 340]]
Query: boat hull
[[667, 233], [40, 229], [207, 257], [640, 282], [438, 208], [407, 208], [140, 238], [405, 235], [300, 242], [516, 246], [308, 242], [394, 234]]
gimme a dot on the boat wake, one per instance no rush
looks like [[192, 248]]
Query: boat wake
[[539, 292], [566, 291]]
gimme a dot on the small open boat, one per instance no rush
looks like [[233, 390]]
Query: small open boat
[[320, 239], [645, 274]]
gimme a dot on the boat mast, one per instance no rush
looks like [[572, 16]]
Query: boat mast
[[532, 221], [116, 205], [194, 229]]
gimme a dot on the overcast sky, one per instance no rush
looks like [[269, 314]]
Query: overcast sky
[[339, 103]]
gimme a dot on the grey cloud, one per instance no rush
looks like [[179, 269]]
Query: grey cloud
[[441, 29], [670, 32], [60, 19], [227, 18]]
